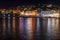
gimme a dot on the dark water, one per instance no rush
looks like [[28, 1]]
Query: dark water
[[29, 28]]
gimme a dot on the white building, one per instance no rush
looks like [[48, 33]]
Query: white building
[[49, 14]]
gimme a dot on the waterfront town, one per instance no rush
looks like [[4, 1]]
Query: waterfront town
[[33, 10], [30, 22]]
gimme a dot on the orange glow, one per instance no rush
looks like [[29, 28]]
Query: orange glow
[[34, 13], [3, 11], [15, 11], [29, 13], [22, 13]]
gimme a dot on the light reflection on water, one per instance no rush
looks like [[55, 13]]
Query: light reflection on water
[[29, 27], [50, 28], [34, 28], [4, 28], [55, 28]]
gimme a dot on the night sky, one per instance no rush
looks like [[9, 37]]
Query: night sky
[[10, 3]]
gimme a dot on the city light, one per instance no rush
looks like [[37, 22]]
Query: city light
[[32, 11], [22, 13], [15, 11]]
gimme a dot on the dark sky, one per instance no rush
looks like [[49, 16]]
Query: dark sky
[[10, 3]]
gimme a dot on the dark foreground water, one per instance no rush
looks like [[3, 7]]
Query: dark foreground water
[[12, 28]]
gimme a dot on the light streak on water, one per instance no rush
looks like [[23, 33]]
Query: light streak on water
[[9, 24], [4, 27], [22, 28], [13, 27], [22, 25], [13, 24], [55, 28], [49, 29], [38, 30], [29, 28], [38, 24]]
